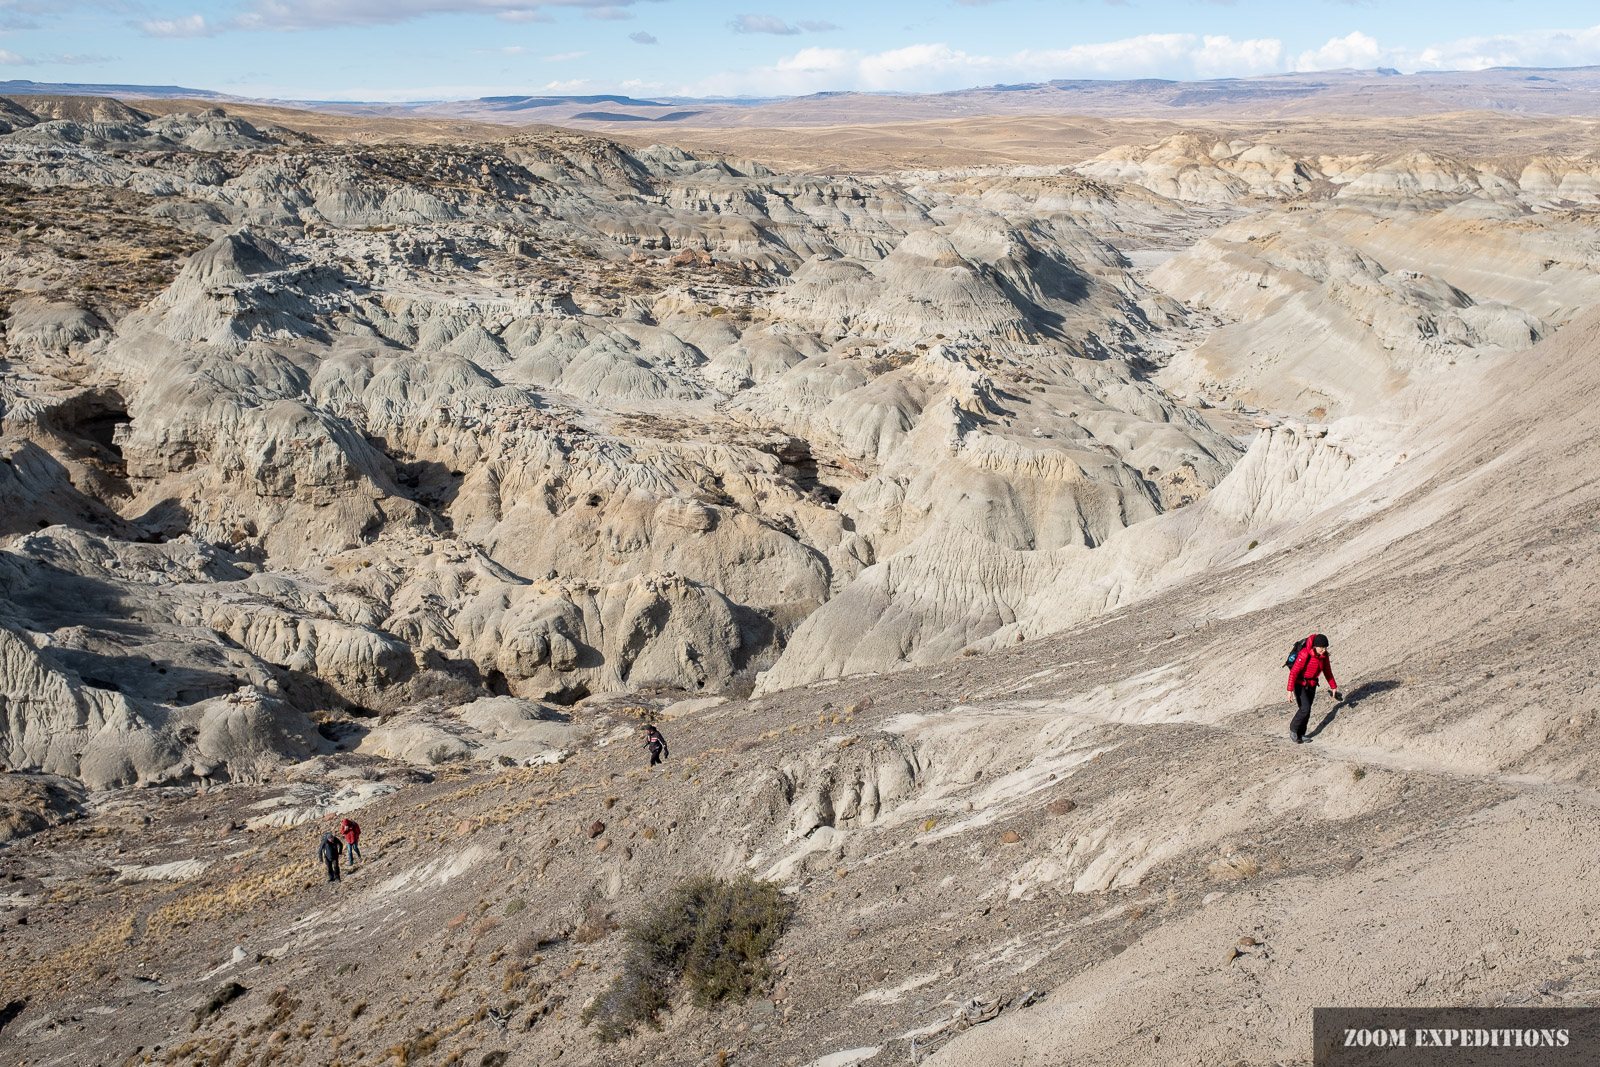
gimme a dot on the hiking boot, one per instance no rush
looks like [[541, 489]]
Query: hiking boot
[[1299, 739]]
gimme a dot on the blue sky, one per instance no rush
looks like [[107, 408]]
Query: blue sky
[[433, 49]]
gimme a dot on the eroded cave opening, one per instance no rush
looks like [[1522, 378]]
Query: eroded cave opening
[[96, 418], [103, 428]]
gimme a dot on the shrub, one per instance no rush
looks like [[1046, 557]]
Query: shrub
[[714, 933], [597, 923], [442, 753]]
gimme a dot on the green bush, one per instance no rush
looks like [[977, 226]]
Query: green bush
[[714, 933]]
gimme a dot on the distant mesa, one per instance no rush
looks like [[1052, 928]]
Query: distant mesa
[[31, 88], [617, 116], [1381, 91], [520, 103]]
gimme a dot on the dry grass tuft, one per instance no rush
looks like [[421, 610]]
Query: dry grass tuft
[[597, 924], [1231, 868]]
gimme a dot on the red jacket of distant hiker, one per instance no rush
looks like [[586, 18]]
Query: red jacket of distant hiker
[[350, 831], [1307, 665]]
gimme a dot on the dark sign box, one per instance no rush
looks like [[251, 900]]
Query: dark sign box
[[1456, 1037]]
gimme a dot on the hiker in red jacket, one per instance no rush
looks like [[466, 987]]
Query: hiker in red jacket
[[350, 830], [1311, 662]]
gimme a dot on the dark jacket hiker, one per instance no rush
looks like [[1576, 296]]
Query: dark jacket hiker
[[1310, 662], [657, 745], [328, 853]]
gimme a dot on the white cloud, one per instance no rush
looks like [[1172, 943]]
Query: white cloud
[[560, 57], [1539, 48], [317, 14], [1535, 48], [934, 66], [9, 58], [774, 25], [763, 24], [1225, 57], [1151, 52], [1355, 49], [643, 38], [182, 26], [17, 15]]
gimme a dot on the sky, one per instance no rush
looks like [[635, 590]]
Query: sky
[[398, 50]]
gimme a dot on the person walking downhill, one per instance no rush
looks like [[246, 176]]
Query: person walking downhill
[[656, 743], [1308, 661], [350, 830], [328, 853]]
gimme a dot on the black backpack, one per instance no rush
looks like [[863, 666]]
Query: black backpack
[[1294, 653]]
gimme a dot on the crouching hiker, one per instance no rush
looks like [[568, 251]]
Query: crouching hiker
[[350, 830], [328, 853], [1307, 661], [656, 743]]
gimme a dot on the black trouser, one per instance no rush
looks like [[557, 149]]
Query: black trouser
[[1303, 695], [333, 868], [655, 756]]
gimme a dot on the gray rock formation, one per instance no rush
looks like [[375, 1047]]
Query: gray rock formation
[[548, 418]]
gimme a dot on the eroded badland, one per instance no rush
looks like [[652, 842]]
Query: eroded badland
[[951, 522]]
